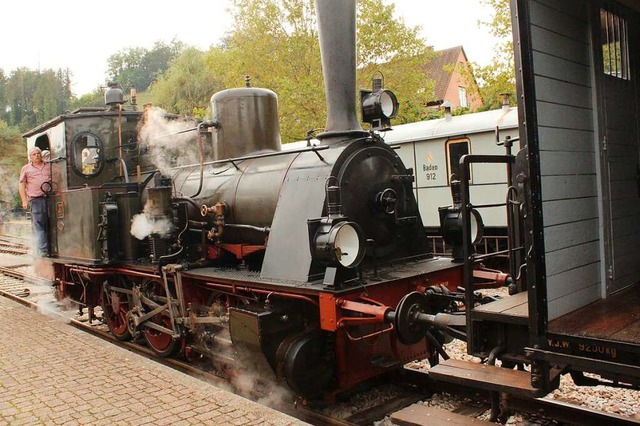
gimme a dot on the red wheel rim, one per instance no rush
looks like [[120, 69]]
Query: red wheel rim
[[162, 343], [115, 314]]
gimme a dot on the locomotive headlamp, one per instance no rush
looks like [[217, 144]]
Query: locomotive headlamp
[[342, 243], [378, 105], [451, 226], [451, 223], [388, 103]]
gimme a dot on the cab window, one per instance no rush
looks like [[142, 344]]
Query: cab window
[[129, 141], [87, 158]]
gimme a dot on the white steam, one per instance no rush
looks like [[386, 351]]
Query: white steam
[[169, 141], [143, 225]]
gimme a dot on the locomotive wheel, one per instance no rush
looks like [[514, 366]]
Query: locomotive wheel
[[306, 367], [409, 330], [114, 310], [163, 344]]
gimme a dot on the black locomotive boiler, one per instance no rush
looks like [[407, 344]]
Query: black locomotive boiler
[[310, 264]]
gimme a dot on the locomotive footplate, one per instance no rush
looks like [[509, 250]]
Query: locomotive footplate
[[432, 271]]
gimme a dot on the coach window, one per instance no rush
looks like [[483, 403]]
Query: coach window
[[455, 149], [87, 159]]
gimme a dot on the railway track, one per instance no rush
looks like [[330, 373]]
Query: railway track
[[22, 285], [13, 245]]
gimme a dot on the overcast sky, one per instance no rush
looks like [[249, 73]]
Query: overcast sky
[[78, 35]]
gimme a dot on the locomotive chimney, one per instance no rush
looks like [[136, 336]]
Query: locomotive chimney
[[337, 34]]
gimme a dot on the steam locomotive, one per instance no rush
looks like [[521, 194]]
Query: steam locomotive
[[311, 263]]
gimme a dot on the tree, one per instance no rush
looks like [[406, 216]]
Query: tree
[[52, 94], [186, 87], [93, 99], [275, 42], [387, 45], [33, 97], [13, 155], [498, 78], [4, 103], [139, 67]]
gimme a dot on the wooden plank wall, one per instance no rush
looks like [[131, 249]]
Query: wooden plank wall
[[563, 82]]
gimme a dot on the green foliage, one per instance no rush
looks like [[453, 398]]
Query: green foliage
[[186, 87], [275, 42], [4, 102], [498, 78], [387, 45], [29, 97], [140, 67], [12, 157], [93, 99], [500, 24], [434, 113], [496, 81]]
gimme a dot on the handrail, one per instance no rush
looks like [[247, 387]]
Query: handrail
[[467, 246]]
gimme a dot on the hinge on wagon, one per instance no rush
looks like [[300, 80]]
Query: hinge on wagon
[[604, 143], [610, 272]]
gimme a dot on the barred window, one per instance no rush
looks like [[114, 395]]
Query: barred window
[[615, 45]]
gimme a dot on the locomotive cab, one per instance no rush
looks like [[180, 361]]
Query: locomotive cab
[[95, 154], [83, 157]]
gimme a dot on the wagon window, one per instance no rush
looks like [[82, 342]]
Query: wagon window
[[456, 148], [87, 159], [615, 45]]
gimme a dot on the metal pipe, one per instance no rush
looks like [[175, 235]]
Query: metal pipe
[[233, 292], [201, 160], [120, 138], [313, 149], [263, 229], [493, 355], [437, 346], [124, 168]]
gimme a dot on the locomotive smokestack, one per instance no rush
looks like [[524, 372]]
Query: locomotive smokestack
[[337, 33]]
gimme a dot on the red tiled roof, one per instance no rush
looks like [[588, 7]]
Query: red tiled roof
[[440, 69]]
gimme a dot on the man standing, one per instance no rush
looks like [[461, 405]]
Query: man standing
[[32, 177]]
